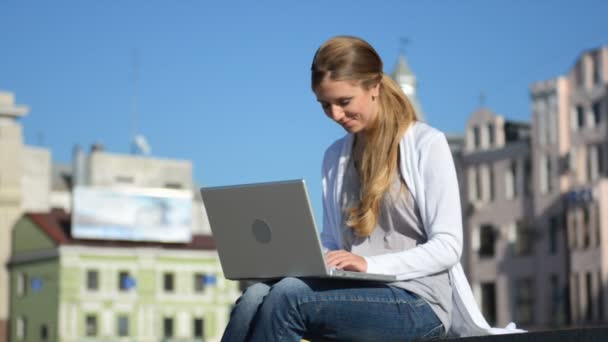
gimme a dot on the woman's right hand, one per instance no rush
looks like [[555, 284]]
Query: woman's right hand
[[346, 261]]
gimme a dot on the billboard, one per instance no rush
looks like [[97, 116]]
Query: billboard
[[162, 215]]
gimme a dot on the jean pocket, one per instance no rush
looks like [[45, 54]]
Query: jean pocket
[[434, 334]]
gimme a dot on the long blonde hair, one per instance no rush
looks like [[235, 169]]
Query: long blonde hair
[[345, 58]]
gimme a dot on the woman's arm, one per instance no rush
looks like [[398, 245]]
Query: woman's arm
[[330, 233]]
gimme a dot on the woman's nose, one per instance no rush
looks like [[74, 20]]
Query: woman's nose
[[336, 112]]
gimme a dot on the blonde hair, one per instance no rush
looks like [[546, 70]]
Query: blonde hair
[[346, 58]]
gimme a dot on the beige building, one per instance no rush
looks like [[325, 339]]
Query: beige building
[[496, 197], [30, 182], [24, 186], [535, 203], [584, 127], [103, 169]]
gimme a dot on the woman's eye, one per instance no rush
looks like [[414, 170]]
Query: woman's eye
[[344, 102]]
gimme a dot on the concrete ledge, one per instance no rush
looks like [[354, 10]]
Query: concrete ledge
[[565, 335]]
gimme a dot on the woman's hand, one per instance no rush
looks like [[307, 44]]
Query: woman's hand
[[345, 260]]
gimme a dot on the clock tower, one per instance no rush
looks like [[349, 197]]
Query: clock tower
[[407, 81]]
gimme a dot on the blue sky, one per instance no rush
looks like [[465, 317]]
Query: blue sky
[[226, 84]]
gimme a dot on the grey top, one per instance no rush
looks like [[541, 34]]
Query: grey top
[[399, 228]]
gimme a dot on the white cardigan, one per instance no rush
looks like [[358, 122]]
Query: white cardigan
[[428, 170]]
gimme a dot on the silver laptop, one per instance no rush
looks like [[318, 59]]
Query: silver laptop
[[267, 230]]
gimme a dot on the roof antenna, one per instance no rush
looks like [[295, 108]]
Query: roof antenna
[[482, 99], [138, 144], [403, 43], [134, 66]]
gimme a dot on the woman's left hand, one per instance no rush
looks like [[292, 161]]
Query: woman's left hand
[[345, 260]]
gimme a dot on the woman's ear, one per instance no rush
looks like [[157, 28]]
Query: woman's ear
[[376, 90]]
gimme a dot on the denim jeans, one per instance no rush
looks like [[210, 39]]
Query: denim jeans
[[321, 309]]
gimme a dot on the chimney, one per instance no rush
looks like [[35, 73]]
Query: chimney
[[79, 167], [97, 147]]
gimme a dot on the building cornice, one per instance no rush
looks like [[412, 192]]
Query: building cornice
[[32, 256]]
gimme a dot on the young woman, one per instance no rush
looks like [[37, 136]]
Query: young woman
[[391, 205]]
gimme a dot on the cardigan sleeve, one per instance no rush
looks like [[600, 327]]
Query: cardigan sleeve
[[329, 239], [439, 205]]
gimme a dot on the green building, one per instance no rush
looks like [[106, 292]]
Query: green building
[[66, 289]]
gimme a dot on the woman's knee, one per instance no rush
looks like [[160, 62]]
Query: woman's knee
[[289, 289], [254, 294]]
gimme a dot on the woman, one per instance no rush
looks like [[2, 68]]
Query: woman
[[391, 206]]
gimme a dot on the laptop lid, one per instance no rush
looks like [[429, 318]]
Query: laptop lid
[[264, 230]]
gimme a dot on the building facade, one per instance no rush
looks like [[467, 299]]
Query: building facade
[[24, 185], [65, 289], [534, 203], [585, 172], [31, 183]]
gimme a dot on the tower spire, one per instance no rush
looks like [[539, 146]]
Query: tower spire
[[406, 79]]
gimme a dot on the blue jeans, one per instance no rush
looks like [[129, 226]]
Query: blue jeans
[[321, 309]]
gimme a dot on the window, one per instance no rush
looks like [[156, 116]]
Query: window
[[199, 328], [171, 185], [588, 297], [492, 182], [488, 302], [597, 115], [510, 182], [90, 325], [573, 229], [482, 182], [476, 137], [600, 296], [21, 328], [600, 159], [552, 119], [580, 117], [586, 227], [199, 282], [123, 325], [487, 238], [593, 162], [597, 68], [523, 240], [596, 225], [541, 115], [477, 188], [573, 119], [168, 327], [579, 74], [557, 300], [21, 284], [513, 169], [124, 179], [573, 160], [574, 285], [546, 174], [168, 282], [524, 300], [553, 231], [549, 167], [491, 134], [92, 280], [527, 177], [44, 332], [125, 281]]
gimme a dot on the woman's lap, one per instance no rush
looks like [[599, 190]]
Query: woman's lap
[[333, 309]]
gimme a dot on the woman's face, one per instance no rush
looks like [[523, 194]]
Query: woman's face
[[348, 104]]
